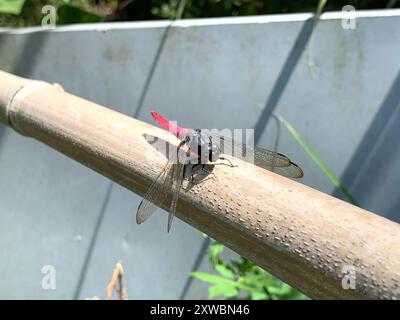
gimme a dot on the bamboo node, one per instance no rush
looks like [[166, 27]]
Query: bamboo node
[[17, 99]]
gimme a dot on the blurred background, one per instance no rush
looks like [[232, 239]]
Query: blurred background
[[29, 12], [336, 82]]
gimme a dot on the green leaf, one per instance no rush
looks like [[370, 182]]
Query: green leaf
[[258, 281], [224, 271], [258, 296], [310, 151], [68, 14], [11, 6], [207, 277], [285, 290], [274, 290], [241, 284], [214, 252], [222, 289], [320, 7], [295, 295], [243, 266]]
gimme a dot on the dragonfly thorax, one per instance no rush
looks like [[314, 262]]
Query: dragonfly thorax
[[213, 152], [202, 146]]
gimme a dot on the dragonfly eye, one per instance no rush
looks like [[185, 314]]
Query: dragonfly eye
[[213, 153]]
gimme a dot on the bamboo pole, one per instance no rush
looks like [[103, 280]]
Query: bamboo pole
[[309, 239]]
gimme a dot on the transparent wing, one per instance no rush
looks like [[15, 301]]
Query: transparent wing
[[178, 174], [155, 195], [291, 171], [263, 158]]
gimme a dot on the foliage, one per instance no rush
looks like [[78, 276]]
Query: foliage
[[242, 279], [155, 9], [68, 14], [11, 6], [21, 13], [28, 12]]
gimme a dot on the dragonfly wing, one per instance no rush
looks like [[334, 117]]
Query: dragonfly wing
[[291, 171], [265, 158], [155, 195], [262, 157], [179, 170]]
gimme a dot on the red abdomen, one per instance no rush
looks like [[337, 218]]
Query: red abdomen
[[168, 125]]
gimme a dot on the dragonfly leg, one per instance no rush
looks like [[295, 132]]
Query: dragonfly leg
[[203, 170], [180, 145], [207, 171], [230, 163], [192, 174], [184, 170]]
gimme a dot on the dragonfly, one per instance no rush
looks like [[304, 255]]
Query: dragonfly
[[204, 148]]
